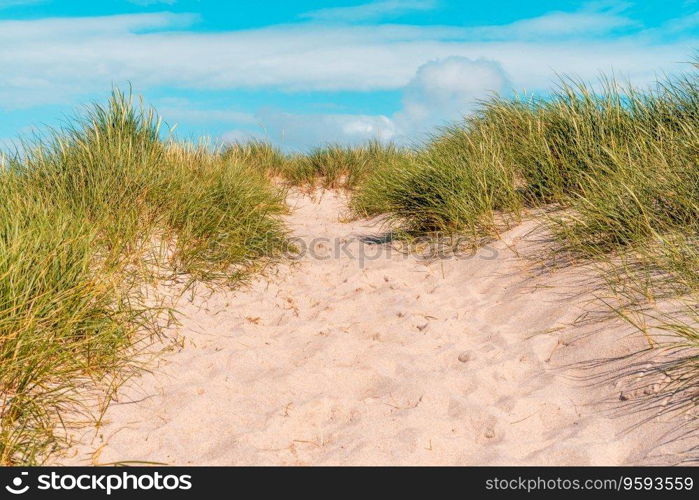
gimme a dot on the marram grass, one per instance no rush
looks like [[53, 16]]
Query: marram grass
[[330, 166], [83, 209]]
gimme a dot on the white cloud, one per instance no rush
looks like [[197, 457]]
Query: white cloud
[[556, 24], [684, 23], [89, 54], [69, 32], [62, 60], [441, 91], [300, 131], [445, 90], [370, 11]]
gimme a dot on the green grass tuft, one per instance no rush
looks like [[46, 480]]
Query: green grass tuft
[[85, 211]]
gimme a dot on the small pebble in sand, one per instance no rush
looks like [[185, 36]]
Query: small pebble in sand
[[623, 397], [465, 357], [490, 433]]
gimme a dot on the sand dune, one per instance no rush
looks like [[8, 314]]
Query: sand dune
[[396, 361]]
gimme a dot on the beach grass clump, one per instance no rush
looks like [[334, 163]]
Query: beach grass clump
[[336, 166], [620, 160], [331, 166], [219, 212], [377, 193], [554, 143], [629, 169], [86, 209], [63, 319], [457, 183], [259, 155], [436, 192]]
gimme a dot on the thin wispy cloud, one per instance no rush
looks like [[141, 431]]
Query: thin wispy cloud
[[685, 23], [68, 30], [370, 11], [557, 24], [88, 54]]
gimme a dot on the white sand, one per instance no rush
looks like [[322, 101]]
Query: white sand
[[459, 361]]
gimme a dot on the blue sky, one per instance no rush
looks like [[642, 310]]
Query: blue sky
[[306, 72]]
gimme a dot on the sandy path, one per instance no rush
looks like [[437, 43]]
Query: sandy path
[[459, 361]]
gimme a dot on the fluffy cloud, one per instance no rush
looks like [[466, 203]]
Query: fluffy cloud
[[445, 90], [440, 91]]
